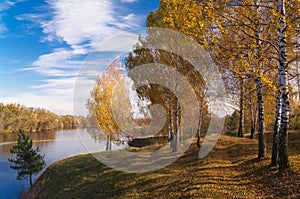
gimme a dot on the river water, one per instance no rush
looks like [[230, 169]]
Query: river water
[[56, 145]]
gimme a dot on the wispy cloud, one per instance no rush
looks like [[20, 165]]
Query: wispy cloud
[[5, 5], [82, 25], [79, 26], [129, 1], [3, 28], [61, 62], [61, 83], [75, 22], [61, 104]]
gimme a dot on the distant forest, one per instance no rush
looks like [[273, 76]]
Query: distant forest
[[15, 116]]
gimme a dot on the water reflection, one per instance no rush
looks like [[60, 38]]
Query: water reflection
[[41, 139], [56, 145]]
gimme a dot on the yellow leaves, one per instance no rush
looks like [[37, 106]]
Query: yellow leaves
[[268, 82], [101, 98], [201, 23]]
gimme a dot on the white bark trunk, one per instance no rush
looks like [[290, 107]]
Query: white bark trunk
[[176, 134], [171, 132], [253, 116], [298, 76], [260, 102], [241, 120], [261, 121], [285, 106], [199, 128], [276, 126]]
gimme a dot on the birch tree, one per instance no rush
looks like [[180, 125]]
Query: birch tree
[[287, 15], [100, 104], [283, 85]]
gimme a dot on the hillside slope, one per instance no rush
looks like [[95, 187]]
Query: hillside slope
[[231, 170]]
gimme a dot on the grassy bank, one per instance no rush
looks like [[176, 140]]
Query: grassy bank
[[231, 170]]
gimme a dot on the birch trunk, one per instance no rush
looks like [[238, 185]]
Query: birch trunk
[[107, 143], [171, 133], [253, 117], [241, 120], [261, 121], [175, 139], [176, 134], [298, 64], [110, 144], [276, 127], [199, 128], [258, 81], [283, 132], [298, 78]]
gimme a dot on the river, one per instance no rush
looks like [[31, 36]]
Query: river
[[56, 145]]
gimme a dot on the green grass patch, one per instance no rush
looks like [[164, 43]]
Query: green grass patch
[[231, 170]]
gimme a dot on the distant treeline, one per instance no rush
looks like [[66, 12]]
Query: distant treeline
[[14, 117]]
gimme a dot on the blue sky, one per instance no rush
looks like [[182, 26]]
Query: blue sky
[[43, 44]]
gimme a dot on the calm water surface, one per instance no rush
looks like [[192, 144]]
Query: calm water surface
[[55, 145]]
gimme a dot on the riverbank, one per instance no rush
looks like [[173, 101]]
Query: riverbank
[[230, 170], [56, 145]]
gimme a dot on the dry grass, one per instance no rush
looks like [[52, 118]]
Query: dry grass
[[231, 170]]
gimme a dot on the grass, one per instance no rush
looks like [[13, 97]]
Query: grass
[[231, 170]]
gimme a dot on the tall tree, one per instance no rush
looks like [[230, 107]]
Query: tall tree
[[283, 85], [287, 16], [276, 128], [241, 122], [100, 103], [28, 161]]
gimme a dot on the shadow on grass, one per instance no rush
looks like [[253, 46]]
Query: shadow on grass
[[231, 170]]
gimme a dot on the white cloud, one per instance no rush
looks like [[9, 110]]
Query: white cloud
[[79, 21], [82, 26], [61, 62], [55, 59], [30, 17], [3, 28], [53, 94], [61, 104], [59, 84], [6, 4], [129, 1]]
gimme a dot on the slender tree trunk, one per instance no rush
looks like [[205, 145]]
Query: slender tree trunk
[[106, 148], [30, 180], [276, 127], [283, 132], [107, 142], [199, 128], [176, 128], [298, 76], [260, 102], [176, 110], [261, 122], [253, 116], [241, 120], [171, 133], [255, 120], [298, 64]]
